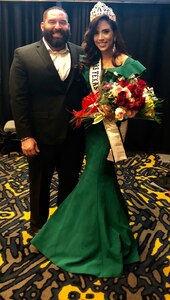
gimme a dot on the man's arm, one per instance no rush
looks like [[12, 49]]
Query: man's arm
[[19, 95]]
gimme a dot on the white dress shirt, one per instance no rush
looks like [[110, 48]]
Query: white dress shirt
[[61, 60]]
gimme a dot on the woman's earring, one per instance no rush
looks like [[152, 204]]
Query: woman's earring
[[114, 48]]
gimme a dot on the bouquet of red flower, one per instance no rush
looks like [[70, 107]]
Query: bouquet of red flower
[[127, 98]]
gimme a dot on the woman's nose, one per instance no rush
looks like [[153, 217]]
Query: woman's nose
[[100, 36]]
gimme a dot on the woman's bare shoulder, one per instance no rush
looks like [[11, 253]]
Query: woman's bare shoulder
[[120, 60]]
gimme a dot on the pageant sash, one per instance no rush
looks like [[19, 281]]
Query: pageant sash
[[117, 148], [123, 129], [115, 136], [94, 76]]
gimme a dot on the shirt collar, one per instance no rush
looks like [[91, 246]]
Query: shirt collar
[[63, 51]]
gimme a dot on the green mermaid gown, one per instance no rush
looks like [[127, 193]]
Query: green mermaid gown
[[90, 233]]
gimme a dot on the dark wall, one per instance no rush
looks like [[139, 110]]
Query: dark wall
[[146, 30]]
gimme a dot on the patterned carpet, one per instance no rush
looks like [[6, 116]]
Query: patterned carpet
[[26, 274]]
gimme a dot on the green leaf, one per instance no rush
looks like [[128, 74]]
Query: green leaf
[[98, 119]]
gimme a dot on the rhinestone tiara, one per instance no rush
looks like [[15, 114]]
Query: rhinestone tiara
[[102, 9]]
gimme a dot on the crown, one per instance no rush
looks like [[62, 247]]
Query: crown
[[102, 9]]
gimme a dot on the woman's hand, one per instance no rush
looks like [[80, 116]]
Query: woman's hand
[[106, 111]]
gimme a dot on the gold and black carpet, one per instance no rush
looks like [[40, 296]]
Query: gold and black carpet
[[25, 274]]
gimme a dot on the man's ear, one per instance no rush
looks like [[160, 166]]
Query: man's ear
[[42, 26]]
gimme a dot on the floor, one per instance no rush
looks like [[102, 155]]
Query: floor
[[165, 157]]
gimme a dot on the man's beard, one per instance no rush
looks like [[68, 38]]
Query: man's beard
[[56, 42]]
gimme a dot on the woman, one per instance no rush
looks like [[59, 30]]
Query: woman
[[90, 233]]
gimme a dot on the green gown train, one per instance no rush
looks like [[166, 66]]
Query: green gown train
[[90, 233]]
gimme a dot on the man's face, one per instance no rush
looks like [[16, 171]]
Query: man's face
[[56, 29]]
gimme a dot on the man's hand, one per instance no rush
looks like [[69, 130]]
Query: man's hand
[[29, 147]]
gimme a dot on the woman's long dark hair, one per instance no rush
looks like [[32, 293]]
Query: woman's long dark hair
[[92, 53]]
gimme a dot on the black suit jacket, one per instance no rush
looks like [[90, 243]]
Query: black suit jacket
[[40, 101]]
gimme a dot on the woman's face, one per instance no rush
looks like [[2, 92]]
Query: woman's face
[[104, 37]]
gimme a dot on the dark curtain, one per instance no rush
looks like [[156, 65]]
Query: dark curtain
[[146, 31]]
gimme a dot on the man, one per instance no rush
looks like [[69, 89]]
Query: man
[[45, 86]]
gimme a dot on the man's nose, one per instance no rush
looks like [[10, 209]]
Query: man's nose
[[57, 25]]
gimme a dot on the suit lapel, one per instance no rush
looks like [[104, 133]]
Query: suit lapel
[[43, 53], [74, 62]]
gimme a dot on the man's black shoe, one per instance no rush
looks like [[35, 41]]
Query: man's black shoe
[[34, 229]]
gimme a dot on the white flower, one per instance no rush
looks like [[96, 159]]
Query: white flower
[[120, 113]]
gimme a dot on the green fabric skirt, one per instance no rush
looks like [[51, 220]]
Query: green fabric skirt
[[90, 233]]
